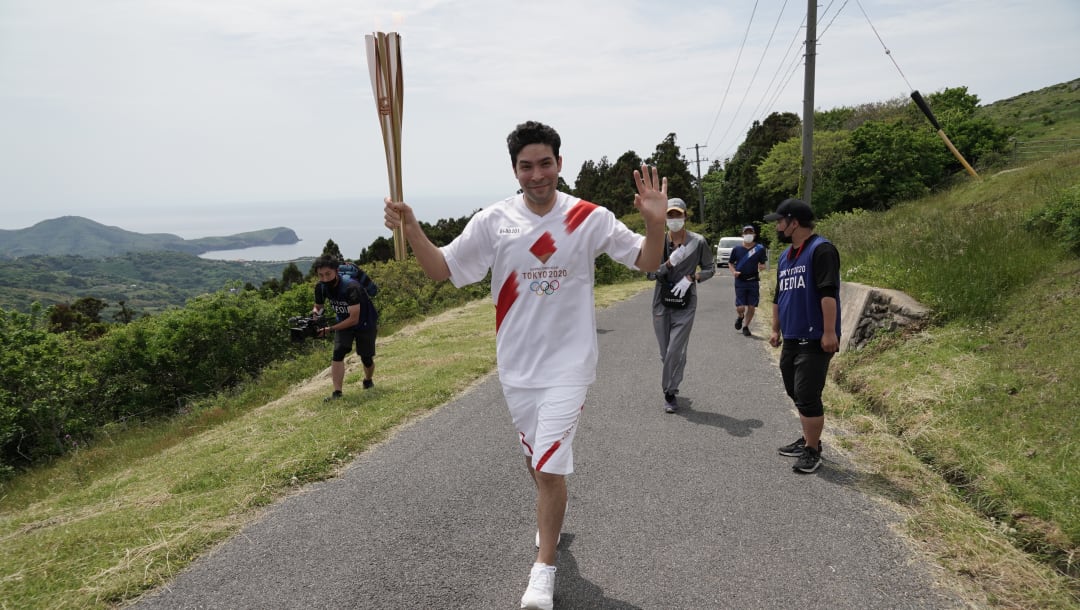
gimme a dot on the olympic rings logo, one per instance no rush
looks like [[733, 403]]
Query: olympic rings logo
[[544, 287]]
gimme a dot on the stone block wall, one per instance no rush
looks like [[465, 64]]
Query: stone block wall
[[866, 310]]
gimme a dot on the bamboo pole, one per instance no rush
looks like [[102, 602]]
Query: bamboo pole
[[921, 103]]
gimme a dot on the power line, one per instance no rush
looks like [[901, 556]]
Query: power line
[[756, 70], [887, 51], [792, 68], [838, 11], [733, 69], [779, 69]]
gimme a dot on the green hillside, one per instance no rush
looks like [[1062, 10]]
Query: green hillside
[[1051, 113], [146, 281], [78, 236]]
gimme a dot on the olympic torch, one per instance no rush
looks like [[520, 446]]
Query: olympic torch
[[384, 63]]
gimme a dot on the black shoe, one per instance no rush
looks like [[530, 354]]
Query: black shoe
[[335, 396], [738, 323], [368, 384], [794, 449], [670, 403], [809, 461], [746, 331]]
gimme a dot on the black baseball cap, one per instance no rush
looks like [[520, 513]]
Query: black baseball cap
[[792, 208]]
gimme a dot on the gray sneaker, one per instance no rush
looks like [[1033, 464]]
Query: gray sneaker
[[809, 461], [671, 404], [794, 449]]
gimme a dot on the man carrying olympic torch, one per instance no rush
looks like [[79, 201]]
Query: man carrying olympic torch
[[541, 246]]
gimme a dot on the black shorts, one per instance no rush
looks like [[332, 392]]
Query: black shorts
[[365, 342], [804, 367]]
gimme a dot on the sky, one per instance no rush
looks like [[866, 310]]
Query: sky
[[112, 106]]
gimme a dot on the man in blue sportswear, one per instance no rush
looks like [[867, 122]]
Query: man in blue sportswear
[[806, 312], [357, 319], [746, 262]]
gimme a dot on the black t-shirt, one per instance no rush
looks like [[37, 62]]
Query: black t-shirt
[[344, 294]]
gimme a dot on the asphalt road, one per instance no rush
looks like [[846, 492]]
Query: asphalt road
[[691, 510]]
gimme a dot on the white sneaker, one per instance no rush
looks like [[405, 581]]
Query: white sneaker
[[541, 592]]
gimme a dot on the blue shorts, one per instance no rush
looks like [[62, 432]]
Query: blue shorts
[[746, 293]]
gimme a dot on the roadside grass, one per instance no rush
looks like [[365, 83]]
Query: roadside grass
[[985, 397], [104, 525], [964, 251], [978, 556]]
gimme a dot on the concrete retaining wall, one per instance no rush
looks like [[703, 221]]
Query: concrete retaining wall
[[866, 310]]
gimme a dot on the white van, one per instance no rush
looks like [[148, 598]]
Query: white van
[[723, 249]]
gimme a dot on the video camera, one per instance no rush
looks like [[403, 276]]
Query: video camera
[[303, 327]]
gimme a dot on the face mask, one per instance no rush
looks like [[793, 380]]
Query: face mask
[[675, 224], [748, 238], [784, 239]]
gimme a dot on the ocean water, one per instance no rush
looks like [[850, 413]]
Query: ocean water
[[352, 223]]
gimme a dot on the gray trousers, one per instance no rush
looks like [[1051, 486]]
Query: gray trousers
[[672, 327]]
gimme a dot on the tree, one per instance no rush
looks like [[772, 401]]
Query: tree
[[780, 173], [82, 317], [441, 233], [742, 199], [620, 183], [671, 164], [609, 185], [445, 230], [381, 249], [590, 180], [291, 276], [889, 163], [125, 315], [331, 249], [712, 185]]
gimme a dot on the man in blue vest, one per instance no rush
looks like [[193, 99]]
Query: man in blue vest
[[357, 318], [806, 312], [745, 262]]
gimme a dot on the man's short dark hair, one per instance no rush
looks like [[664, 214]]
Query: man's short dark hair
[[325, 261], [531, 132]]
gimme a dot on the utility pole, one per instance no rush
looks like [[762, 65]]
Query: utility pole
[[700, 192], [808, 102]]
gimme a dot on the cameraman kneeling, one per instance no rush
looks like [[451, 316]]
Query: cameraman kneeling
[[356, 319]]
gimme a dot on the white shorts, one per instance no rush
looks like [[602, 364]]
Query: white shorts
[[546, 422]]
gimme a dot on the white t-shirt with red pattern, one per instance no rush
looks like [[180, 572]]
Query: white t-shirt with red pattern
[[542, 283]]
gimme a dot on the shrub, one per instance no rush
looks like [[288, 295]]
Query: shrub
[[1060, 217], [43, 381]]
